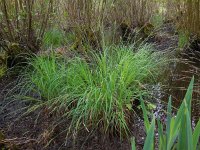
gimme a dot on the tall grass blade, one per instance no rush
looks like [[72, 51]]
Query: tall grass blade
[[196, 135], [179, 118], [133, 147], [189, 131], [169, 113], [188, 96], [146, 120], [149, 142], [162, 137]]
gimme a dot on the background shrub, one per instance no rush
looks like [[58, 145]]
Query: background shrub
[[22, 25]]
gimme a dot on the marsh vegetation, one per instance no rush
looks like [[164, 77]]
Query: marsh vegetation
[[99, 74]]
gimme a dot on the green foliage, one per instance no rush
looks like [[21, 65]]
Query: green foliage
[[48, 76], [149, 142], [106, 91], [2, 70], [179, 133], [133, 147], [157, 20], [183, 39], [53, 38], [3, 64], [94, 95]]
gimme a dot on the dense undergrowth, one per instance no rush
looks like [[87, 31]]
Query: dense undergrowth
[[89, 23]]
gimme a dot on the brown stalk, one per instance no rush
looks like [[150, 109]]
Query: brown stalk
[[7, 19]]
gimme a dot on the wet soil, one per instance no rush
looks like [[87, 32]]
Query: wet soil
[[185, 65], [179, 76]]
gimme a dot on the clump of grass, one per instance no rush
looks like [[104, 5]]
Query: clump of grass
[[157, 20], [47, 76], [107, 89], [183, 39], [53, 38], [99, 94], [43, 83]]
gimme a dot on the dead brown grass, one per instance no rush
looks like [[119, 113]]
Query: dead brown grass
[[186, 14]]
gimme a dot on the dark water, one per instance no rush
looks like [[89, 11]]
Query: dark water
[[179, 75]]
